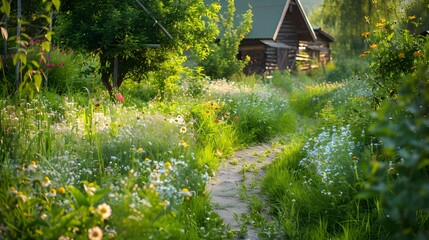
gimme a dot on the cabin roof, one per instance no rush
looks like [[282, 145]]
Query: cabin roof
[[322, 35], [268, 16]]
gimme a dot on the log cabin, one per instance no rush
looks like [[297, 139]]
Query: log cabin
[[277, 29]]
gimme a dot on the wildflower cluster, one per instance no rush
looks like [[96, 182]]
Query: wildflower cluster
[[394, 52], [44, 207], [329, 161]]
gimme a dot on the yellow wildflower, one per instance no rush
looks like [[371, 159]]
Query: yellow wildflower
[[62, 190], [22, 196], [46, 182], [412, 17], [52, 192], [373, 46], [365, 34], [402, 55], [379, 25], [417, 54]]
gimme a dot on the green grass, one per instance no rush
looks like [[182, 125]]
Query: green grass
[[150, 161]]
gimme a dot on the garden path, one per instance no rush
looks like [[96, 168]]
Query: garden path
[[239, 178]]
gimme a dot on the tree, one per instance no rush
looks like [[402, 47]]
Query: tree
[[222, 61], [125, 31], [348, 20]]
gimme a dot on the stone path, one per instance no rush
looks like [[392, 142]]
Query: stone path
[[236, 181]]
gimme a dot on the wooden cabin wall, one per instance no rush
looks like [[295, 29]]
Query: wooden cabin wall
[[288, 35], [256, 51]]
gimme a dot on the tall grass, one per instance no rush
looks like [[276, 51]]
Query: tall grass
[[64, 156], [314, 184]]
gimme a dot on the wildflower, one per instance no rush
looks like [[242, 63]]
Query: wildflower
[[22, 196], [61, 64], [373, 46], [217, 121], [32, 167], [43, 216], [140, 150], [62, 190], [90, 189], [365, 34], [63, 52], [383, 20], [104, 210], [63, 238], [379, 25], [12, 190], [46, 182], [186, 193], [417, 54], [183, 144], [354, 158], [235, 118], [55, 47], [52, 192], [120, 98], [183, 129], [412, 17], [207, 112], [168, 164], [362, 55], [95, 233], [402, 55], [147, 159]]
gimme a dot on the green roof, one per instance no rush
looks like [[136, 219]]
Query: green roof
[[268, 16]]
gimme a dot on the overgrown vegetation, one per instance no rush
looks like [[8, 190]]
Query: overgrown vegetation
[[354, 164]]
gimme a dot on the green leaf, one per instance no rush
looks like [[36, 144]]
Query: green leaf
[[46, 46], [57, 4], [390, 36], [35, 63], [5, 7], [78, 195], [23, 58], [15, 59], [37, 81]]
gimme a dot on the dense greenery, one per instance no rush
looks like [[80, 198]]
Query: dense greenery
[[124, 30], [74, 165], [222, 62]]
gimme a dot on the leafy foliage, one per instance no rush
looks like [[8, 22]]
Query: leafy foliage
[[28, 75], [395, 52], [402, 184], [124, 30], [222, 62]]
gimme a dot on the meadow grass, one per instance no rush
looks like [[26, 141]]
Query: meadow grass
[[314, 184], [78, 163], [63, 157]]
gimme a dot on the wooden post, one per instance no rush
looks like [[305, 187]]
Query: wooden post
[[18, 38]]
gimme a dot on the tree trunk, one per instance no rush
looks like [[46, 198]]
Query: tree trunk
[[105, 75]]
